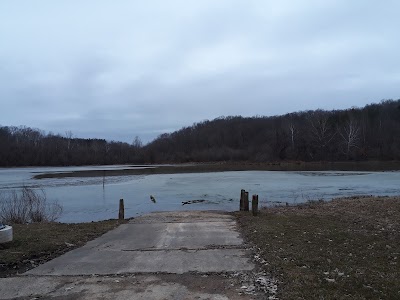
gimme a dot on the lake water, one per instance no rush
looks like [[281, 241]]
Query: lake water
[[85, 199]]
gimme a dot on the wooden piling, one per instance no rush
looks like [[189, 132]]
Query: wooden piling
[[242, 200], [121, 213], [254, 205], [246, 201]]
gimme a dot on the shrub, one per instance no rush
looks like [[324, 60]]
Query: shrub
[[27, 206]]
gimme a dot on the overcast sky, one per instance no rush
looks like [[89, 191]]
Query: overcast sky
[[116, 69]]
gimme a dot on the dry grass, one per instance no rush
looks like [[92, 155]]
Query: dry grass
[[37, 243], [343, 249], [27, 206]]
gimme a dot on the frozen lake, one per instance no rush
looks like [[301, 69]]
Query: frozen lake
[[85, 199]]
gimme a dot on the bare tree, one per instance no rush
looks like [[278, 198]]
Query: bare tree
[[321, 132], [350, 136], [293, 131], [137, 142], [69, 135]]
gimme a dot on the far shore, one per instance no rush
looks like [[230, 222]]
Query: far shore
[[231, 166]]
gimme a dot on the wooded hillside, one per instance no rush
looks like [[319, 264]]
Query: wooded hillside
[[369, 133]]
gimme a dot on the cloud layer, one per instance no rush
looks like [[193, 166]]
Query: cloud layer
[[118, 69]]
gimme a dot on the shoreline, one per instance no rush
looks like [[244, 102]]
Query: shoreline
[[347, 245], [225, 167]]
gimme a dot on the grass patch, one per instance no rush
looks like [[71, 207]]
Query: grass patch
[[36, 243], [343, 249]]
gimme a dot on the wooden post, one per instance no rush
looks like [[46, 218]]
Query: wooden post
[[242, 200], [121, 214], [254, 205], [246, 201]]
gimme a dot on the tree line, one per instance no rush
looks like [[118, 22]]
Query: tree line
[[25, 146], [368, 133]]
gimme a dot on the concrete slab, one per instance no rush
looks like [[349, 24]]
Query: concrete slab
[[184, 216], [140, 236], [176, 255], [88, 262], [144, 287], [152, 244]]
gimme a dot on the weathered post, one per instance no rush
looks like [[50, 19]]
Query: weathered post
[[121, 214], [254, 205], [242, 200], [246, 201]]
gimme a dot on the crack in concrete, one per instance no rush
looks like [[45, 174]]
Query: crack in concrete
[[239, 247], [133, 274], [174, 222]]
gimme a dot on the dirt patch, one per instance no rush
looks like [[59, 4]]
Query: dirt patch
[[233, 166], [36, 243], [189, 286], [342, 249]]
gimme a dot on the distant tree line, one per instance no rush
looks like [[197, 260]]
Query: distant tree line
[[24, 146], [369, 133]]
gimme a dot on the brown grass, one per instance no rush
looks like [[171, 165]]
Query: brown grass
[[343, 249], [27, 206], [37, 243]]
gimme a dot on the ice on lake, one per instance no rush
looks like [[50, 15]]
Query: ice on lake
[[85, 199]]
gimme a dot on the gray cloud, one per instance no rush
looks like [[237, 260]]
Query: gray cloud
[[143, 68]]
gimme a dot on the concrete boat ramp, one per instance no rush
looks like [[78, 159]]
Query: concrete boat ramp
[[168, 255]]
